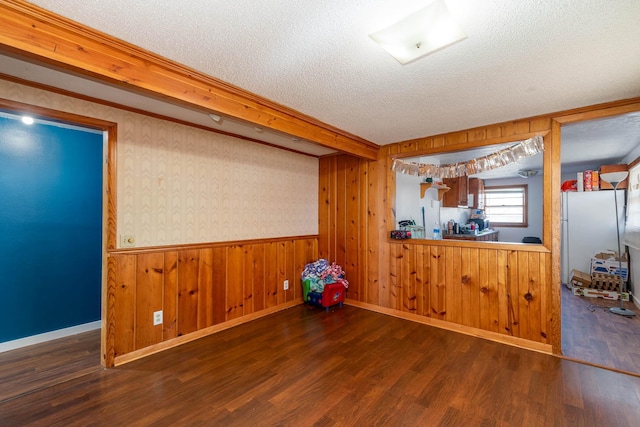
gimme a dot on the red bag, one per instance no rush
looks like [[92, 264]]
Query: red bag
[[333, 294]]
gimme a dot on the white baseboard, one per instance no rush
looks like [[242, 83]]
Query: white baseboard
[[48, 336]]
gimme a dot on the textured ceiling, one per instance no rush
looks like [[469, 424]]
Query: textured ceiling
[[521, 58]]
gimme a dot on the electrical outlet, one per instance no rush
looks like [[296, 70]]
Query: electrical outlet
[[157, 318], [127, 241], [286, 285]]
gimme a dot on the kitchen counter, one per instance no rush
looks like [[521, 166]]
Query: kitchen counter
[[484, 236]]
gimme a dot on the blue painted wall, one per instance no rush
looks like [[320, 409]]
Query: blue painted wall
[[50, 228]]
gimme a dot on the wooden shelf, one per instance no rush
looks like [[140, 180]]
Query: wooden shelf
[[424, 186]]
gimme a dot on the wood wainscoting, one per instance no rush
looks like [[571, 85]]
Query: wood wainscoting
[[496, 289], [505, 292], [500, 291], [199, 288]]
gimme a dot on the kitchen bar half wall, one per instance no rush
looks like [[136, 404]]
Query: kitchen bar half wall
[[499, 291]]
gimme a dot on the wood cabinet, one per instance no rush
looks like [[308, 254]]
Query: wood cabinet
[[457, 195], [476, 190]]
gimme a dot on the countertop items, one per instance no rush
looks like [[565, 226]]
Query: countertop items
[[483, 236]]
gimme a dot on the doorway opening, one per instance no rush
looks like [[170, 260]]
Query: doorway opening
[[55, 238], [598, 141]]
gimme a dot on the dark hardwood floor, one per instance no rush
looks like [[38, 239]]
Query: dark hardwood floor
[[36, 367], [349, 366], [592, 334]]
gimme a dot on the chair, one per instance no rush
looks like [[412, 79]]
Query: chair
[[530, 239]]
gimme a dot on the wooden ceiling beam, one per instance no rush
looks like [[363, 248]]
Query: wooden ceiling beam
[[30, 31]]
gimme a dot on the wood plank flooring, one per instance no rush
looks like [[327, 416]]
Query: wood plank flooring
[[346, 367], [28, 369], [592, 334]]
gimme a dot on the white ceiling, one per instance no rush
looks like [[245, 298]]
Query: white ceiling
[[520, 59]]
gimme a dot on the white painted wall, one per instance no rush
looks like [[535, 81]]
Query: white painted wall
[[408, 198], [634, 253]]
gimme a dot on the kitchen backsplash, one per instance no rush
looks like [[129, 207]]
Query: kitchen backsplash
[[459, 215]]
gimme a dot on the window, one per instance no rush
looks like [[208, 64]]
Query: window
[[506, 205]]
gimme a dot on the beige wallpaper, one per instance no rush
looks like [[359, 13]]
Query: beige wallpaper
[[178, 184]]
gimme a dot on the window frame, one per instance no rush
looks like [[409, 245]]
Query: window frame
[[525, 205]]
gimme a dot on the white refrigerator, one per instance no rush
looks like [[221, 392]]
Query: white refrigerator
[[589, 226]]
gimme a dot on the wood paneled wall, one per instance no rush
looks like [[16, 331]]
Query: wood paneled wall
[[199, 287], [501, 289], [497, 290], [350, 222]]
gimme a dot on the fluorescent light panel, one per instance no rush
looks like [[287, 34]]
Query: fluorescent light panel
[[419, 34]]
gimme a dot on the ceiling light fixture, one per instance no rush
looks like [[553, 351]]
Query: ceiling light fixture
[[216, 118], [527, 173], [27, 120], [424, 32]]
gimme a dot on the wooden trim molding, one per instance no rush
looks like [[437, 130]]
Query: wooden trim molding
[[109, 179], [467, 330], [30, 31], [151, 249], [64, 92], [155, 348], [427, 149], [598, 111], [552, 233], [452, 243]]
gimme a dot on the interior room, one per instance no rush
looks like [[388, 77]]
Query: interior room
[[172, 174], [590, 332]]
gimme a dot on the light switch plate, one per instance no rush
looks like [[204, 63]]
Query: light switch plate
[[127, 241]]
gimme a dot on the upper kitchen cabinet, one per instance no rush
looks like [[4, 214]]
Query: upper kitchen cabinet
[[457, 195], [476, 193]]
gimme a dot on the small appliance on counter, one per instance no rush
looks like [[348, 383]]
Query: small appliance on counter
[[481, 223], [453, 227]]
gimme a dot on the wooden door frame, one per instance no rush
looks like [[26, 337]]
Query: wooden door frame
[[556, 131], [108, 199]]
